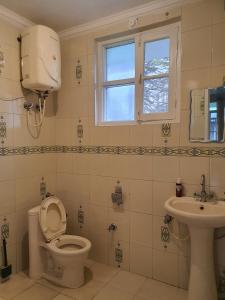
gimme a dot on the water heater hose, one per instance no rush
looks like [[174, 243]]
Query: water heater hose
[[42, 114]]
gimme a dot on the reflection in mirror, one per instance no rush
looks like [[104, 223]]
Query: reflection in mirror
[[207, 115]]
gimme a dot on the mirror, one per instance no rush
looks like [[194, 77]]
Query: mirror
[[207, 115]]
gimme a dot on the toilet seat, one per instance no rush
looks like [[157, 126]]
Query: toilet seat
[[69, 245], [52, 218]]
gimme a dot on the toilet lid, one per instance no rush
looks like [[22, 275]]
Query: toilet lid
[[52, 218]]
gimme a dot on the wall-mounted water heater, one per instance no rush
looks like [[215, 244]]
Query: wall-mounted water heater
[[40, 59]]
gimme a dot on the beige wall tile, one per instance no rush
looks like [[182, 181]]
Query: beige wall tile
[[141, 229], [27, 198], [101, 189], [165, 168], [133, 167], [98, 222], [119, 135], [99, 135], [191, 169], [81, 163], [66, 132], [141, 135], [7, 204], [65, 187], [161, 192], [196, 15], [218, 54], [196, 48], [140, 195], [141, 259], [217, 174], [6, 168], [65, 103], [162, 262], [99, 250], [218, 11], [65, 163]]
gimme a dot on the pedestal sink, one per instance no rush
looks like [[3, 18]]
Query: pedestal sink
[[202, 218]]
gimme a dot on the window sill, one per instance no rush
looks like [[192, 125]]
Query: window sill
[[135, 123]]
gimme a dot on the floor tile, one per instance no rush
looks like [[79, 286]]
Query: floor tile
[[155, 290], [50, 285], [15, 285], [112, 293], [103, 273], [128, 282], [102, 282], [61, 297], [37, 292], [87, 291]]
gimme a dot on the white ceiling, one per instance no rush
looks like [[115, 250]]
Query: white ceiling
[[63, 14]]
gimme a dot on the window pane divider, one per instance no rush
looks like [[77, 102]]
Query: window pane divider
[[119, 82], [164, 75]]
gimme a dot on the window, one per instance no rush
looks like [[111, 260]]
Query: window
[[137, 77]]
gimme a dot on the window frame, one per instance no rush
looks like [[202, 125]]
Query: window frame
[[171, 31], [101, 83]]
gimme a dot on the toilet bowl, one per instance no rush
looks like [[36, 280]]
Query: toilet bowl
[[54, 255]]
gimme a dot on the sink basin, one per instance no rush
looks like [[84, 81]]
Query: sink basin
[[191, 212], [202, 218]]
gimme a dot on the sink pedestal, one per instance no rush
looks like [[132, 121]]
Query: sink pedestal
[[202, 285]]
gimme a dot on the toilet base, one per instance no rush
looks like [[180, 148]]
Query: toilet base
[[70, 278]]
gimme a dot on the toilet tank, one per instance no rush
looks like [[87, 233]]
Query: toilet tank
[[40, 59]]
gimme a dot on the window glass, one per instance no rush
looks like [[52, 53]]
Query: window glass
[[119, 103], [155, 98], [120, 62], [157, 57]]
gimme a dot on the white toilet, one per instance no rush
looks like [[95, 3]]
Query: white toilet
[[54, 255]]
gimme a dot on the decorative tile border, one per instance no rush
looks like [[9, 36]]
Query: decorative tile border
[[25, 150], [117, 150], [136, 150]]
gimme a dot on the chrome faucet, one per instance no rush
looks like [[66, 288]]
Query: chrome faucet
[[203, 196], [203, 192]]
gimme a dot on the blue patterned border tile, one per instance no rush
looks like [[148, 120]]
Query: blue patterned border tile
[[116, 150]]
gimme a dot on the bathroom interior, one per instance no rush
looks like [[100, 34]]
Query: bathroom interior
[[112, 157]]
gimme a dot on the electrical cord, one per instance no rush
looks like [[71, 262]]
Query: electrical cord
[[42, 114], [11, 99]]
